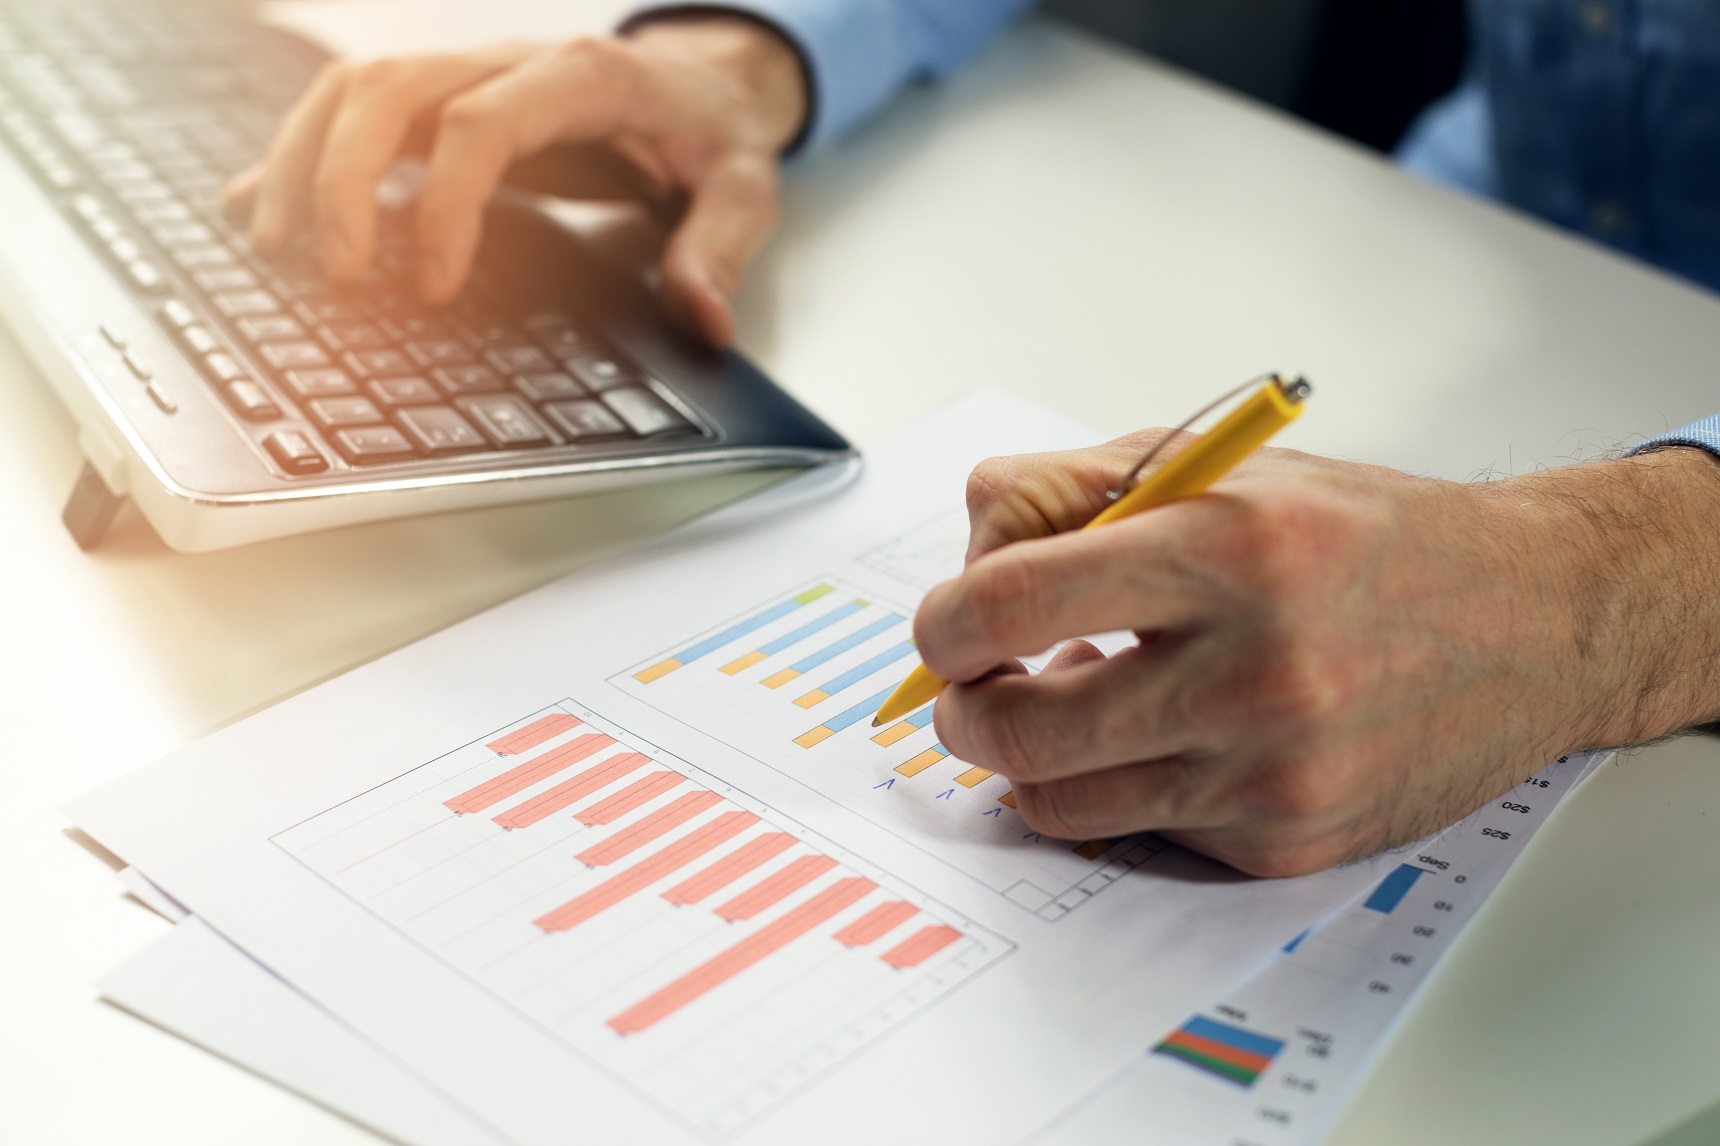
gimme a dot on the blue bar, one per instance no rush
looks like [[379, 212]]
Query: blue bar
[[923, 717], [861, 671], [939, 749], [860, 711], [1234, 1037], [811, 627], [1297, 942], [1393, 888], [712, 644], [845, 643]]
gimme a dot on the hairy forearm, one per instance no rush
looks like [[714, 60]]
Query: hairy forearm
[[1633, 547]]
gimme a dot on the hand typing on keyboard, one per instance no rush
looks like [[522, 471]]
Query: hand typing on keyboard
[[700, 104]]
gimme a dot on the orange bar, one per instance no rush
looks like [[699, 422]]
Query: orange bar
[[646, 872], [1007, 798], [755, 853], [1093, 849], [743, 663], [624, 843], [920, 946], [921, 762], [900, 730], [881, 919], [775, 888], [660, 669], [549, 802], [778, 679], [1223, 1052], [973, 776], [517, 779], [637, 793], [764, 942], [533, 734]]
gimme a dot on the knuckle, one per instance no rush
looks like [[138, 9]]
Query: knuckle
[[471, 112], [1055, 810], [988, 482], [380, 75]]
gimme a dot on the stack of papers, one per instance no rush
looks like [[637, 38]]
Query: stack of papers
[[625, 857]]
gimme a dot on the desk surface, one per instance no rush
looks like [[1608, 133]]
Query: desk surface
[[1064, 221]]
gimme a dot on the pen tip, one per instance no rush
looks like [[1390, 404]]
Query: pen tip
[[877, 721]]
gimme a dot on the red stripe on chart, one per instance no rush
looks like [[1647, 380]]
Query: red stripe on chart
[[646, 872], [1223, 1052], [553, 800], [884, 918], [533, 734], [776, 888], [631, 839], [517, 779], [731, 867], [637, 793], [764, 942], [920, 946]]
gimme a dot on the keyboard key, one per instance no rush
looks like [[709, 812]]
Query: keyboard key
[[457, 380], [645, 413], [347, 334], [557, 335], [125, 250], [584, 420], [334, 413], [239, 304], [223, 367], [250, 400], [441, 352], [177, 313], [205, 255], [380, 363], [175, 234], [439, 430], [169, 211], [599, 373], [507, 421], [319, 309], [294, 355], [552, 387], [413, 390], [414, 326], [145, 275], [198, 340], [329, 383], [372, 445], [519, 358], [270, 327], [224, 278], [294, 452]]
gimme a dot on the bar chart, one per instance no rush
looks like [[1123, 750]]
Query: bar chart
[[795, 682], [694, 943]]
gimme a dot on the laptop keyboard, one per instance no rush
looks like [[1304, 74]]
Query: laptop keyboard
[[134, 116]]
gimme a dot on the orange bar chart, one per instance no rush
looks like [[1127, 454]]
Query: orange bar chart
[[646, 872], [775, 888], [749, 857], [973, 776], [568, 792], [533, 734], [733, 633], [881, 920], [755, 948], [923, 761], [920, 946], [518, 779], [635, 836], [636, 794]]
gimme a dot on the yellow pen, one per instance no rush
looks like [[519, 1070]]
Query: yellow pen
[[1245, 429]]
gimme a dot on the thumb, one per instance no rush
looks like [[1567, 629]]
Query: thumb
[[731, 213]]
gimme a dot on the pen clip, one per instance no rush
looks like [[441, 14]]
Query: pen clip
[[1295, 390]]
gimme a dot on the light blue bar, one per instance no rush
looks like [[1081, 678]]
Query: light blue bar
[[1393, 888], [860, 711], [1234, 1037], [846, 643], [939, 749], [923, 717], [712, 644], [861, 671], [811, 627]]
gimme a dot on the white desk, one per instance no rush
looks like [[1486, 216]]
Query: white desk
[[1064, 221]]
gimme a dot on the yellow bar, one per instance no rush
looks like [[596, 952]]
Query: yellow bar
[[894, 733], [661, 668], [1093, 849], [972, 776], [1007, 798], [920, 763], [812, 698], [817, 736], [745, 662], [812, 594], [777, 680]]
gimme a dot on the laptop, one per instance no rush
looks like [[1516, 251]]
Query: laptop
[[234, 399]]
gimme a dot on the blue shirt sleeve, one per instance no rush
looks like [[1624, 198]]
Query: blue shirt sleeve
[[1704, 435], [859, 53]]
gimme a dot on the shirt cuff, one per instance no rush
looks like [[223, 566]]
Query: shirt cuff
[[1704, 435]]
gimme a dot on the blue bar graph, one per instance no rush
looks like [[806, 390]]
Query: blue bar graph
[[813, 660], [856, 674], [811, 627], [1393, 888]]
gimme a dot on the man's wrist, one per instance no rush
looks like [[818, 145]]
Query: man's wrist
[[763, 62]]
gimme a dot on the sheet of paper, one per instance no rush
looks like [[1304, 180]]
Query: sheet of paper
[[1272, 1062], [196, 984], [625, 854]]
